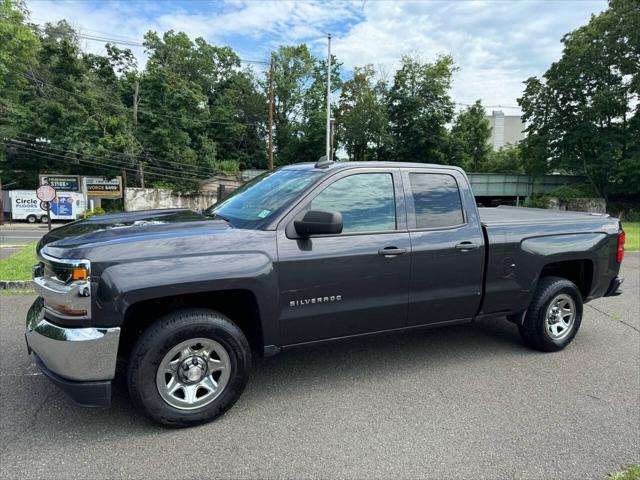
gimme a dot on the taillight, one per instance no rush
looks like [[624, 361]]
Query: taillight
[[621, 239]]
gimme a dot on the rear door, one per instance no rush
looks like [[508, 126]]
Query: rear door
[[447, 246], [347, 284]]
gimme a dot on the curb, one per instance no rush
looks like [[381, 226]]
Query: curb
[[16, 285]]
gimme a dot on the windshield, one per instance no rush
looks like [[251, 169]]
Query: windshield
[[262, 197]]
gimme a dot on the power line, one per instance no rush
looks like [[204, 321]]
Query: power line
[[113, 163], [106, 37], [56, 156], [193, 169]]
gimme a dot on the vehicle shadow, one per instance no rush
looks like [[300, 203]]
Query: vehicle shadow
[[287, 377]]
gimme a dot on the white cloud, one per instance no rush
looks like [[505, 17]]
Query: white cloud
[[496, 44]]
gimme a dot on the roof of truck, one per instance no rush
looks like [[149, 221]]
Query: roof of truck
[[333, 166]]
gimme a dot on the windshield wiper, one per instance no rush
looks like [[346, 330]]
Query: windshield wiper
[[217, 215]]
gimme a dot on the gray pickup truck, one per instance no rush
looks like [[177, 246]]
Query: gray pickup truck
[[308, 253]]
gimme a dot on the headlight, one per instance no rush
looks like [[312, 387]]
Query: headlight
[[64, 285]]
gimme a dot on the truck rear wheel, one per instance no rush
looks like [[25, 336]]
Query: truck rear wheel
[[554, 316], [188, 368], [32, 219]]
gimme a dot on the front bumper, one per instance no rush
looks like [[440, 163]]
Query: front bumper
[[82, 361]]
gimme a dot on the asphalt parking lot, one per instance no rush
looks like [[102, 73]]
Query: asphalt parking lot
[[457, 402]]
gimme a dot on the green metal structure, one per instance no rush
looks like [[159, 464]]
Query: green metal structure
[[517, 186]]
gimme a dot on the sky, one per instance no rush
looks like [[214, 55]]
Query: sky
[[496, 44]]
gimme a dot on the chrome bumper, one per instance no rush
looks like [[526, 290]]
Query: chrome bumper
[[78, 354]]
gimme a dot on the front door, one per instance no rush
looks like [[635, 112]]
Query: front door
[[345, 284]]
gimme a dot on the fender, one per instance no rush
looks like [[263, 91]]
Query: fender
[[537, 252], [122, 285]]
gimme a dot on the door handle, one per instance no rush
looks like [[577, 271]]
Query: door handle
[[391, 251], [466, 246]]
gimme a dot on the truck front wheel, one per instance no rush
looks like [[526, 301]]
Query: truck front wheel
[[188, 368], [554, 316]]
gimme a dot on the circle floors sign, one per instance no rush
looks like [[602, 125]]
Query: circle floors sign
[[46, 193]]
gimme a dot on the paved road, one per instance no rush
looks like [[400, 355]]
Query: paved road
[[22, 233], [458, 402]]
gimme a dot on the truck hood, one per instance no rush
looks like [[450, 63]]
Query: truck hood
[[122, 226]]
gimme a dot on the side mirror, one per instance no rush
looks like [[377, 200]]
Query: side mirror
[[317, 222]]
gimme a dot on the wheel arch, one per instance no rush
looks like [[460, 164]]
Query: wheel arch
[[579, 271], [239, 305]]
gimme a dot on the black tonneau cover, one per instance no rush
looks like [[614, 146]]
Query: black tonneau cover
[[504, 215]]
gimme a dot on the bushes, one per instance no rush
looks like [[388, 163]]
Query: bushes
[[537, 201], [91, 213]]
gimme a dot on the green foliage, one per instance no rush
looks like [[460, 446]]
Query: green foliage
[[163, 185], [227, 167], [582, 114], [469, 139], [419, 109], [506, 160], [567, 193], [537, 201], [95, 211], [300, 96], [631, 472], [18, 266], [362, 117]]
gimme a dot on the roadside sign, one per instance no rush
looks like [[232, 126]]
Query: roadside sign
[[46, 193], [103, 187], [67, 183]]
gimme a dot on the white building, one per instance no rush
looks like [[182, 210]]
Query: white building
[[505, 129]]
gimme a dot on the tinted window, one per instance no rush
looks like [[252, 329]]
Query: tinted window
[[366, 201], [436, 199]]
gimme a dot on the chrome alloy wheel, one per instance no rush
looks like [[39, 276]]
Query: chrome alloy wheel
[[193, 373], [560, 316]]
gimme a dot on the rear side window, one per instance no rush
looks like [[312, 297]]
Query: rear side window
[[366, 201], [436, 199]]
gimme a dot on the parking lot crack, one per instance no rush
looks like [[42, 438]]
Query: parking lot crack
[[614, 318], [33, 420]]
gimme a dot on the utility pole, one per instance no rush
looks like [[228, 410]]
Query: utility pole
[[1, 205], [328, 150], [332, 132], [136, 100], [124, 190], [271, 71]]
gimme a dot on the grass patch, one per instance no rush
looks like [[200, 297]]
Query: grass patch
[[18, 266], [632, 472], [632, 230]]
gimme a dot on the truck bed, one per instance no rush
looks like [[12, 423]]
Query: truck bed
[[505, 215]]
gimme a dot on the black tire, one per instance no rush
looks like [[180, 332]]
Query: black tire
[[534, 329], [32, 219], [165, 334], [44, 219]]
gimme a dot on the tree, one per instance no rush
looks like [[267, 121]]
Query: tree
[[419, 109], [300, 97], [198, 108], [362, 119], [69, 115], [18, 53], [506, 160], [470, 138], [583, 114]]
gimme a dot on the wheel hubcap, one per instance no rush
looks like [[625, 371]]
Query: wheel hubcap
[[193, 373], [560, 316]]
